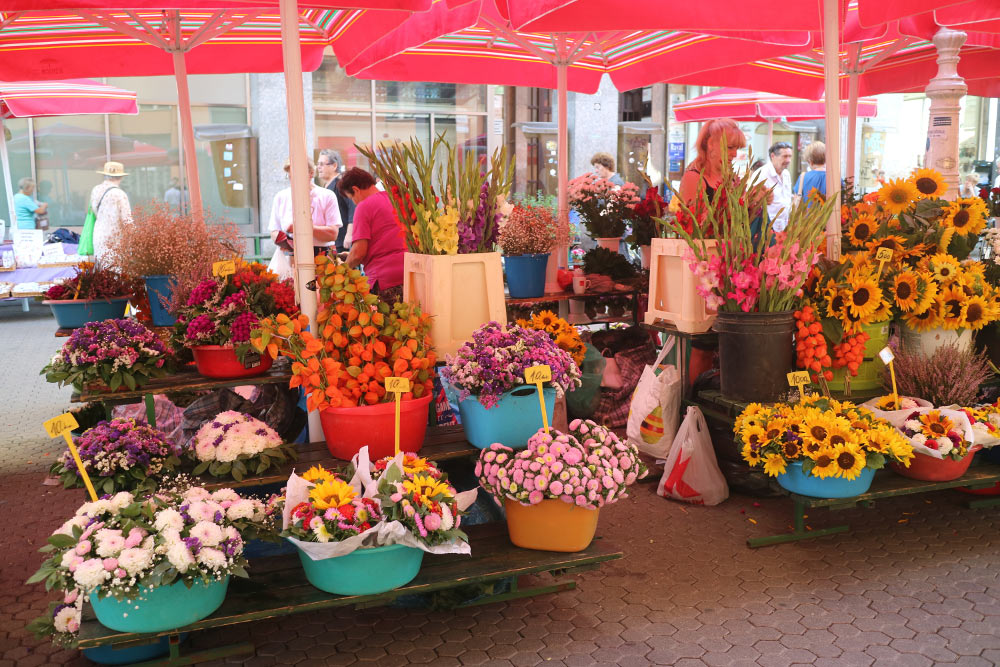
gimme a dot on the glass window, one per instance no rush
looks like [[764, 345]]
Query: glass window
[[204, 88], [424, 94], [403, 126], [463, 132], [20, 164], [68, 152], [147, 145], [227, 194], [341, 130], [332, 86]]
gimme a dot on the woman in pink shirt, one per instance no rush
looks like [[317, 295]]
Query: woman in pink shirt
[[376, 240]]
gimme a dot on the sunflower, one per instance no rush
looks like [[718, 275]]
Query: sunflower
[[947, 234], [424, 488], [755, 436], [894, 242], [840, 436], [896, 195], [824, 465], [904, 290], [774, 465], [835, 301], [752, 455], [412, 464], [774, 429], [880, 439], [900, 449], [818, 431], [944, 266], [848, 460], [791, 449], [861, 230], [318, 474], [975, 313], [864, 295], [544, 320], [929, 183], [950, 302], [966, 215], [930, 290], [331, 493], [923, 320]]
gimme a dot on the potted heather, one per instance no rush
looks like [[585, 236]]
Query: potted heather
[[112, 353], [526, 239], [603, 207], [152, 563], [488, 374], [368, 533], [119, 455], [553, 490], [341, 365], [216, 320], [95, 293], [235, 444]]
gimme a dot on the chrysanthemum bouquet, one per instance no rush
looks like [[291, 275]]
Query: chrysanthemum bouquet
[[494, 362], [939, 433], [237, 444], [985, 420], [418, 496], [528, 230], [119, 455], [360, 340], [831, 438], [446, 201], [564, 334], [589, 466], [333, 512], [603, 206], [223, 311], [113, 352]]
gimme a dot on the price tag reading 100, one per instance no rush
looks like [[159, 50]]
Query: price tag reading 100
[[537, 375]]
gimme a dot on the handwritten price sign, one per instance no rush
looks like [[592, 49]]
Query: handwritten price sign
[[61, 426], [799, 379], [397, 386], [886, 355], [225, 268], [538, 375], [882, 255]]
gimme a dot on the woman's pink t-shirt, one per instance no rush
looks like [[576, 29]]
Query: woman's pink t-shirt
[[375, 222]]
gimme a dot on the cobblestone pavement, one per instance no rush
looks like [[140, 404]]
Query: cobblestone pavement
[[916, 583]]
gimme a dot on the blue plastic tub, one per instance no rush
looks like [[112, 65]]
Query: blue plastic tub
[[163, 608], [109, 655], [511, 422], [796, 481], [526, 275], [365, 571], [157, 287], [74, 314]]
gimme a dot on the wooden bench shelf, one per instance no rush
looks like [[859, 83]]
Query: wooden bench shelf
[[184, 380]]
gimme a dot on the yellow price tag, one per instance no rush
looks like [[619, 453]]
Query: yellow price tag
[[395, 385], [224, 268], [883, 254], [62, 425], [536, 374], [799, 379]]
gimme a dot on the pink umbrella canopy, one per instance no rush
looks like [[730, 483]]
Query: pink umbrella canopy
[[753, 106], [26, 99]]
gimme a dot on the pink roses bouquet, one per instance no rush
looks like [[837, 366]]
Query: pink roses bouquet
[[589, 466]]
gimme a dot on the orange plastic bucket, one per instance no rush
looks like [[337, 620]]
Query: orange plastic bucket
[[551, 525], [220, 361], [347, 430], [930, 469]]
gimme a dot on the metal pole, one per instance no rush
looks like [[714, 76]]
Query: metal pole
[[831, 73], [302, 228], [852, 125], [12, 223], [770, 134], [187, 133]]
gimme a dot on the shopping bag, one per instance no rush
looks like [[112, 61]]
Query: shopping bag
[[691, 473], [611, 378], [280, 265], [656, 404], [87, 237]]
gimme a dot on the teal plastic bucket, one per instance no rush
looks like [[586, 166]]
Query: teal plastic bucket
[[511, 422], [157, 288], [74, 314], [365, 571], [796, 481], [127, 655], [526, 275], [163, 608]]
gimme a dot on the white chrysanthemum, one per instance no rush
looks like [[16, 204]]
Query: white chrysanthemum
[[109, 542], [205, 510], [168, 518], [204, 450], [212, 558], [121, 500], [67, 619], [91, 574], [95, 507], [447, 520], [135, 560], [912, 424], [222, 495], [67, 527], [208, 533], [231, 533], [228, 450], [242, 509], [197, 493], [180, 557], [67, 559], [945, 446], [919, 439]]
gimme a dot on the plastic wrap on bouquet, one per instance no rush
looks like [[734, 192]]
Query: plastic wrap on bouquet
[[961, 421], [896, 417]]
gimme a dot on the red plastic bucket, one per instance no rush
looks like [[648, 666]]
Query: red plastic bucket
[[930, 469], [347, 430], [219, 361]]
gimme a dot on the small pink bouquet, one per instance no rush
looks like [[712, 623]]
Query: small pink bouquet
[[603, 206], [589, 466]]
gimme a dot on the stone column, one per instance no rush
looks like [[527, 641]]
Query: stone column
[[593, 126], [945, 90]]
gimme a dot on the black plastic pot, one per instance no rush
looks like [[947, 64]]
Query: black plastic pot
[[755, 354]]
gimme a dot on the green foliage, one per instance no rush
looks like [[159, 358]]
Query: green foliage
[[607, 263]]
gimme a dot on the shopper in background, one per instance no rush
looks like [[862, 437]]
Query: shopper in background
[[325, 220], [376, 244], [604, 166], [969, 186], [329, 164], [26, 207], [110, 206], [815, 178], [778, 179]]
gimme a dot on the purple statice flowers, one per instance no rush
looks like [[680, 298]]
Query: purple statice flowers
[[114, 352], [121, 449]]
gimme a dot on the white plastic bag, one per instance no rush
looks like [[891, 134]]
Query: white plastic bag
[[655, 409], [281, 265], [691, 473]]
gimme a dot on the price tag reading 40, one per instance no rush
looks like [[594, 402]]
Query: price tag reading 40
[[799, 379], [225, 268], [397, 386], [538, 375], [62, 425]]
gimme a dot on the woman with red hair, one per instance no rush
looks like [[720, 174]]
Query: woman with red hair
[[704, 174]]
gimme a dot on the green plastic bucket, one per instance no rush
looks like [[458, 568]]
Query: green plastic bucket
[[870, 370], [365, 571], [163, 608]]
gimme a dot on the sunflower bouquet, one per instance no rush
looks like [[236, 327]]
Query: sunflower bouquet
[[985, 420], [939, 433], [831, 438], [957, 294], [560, 331]]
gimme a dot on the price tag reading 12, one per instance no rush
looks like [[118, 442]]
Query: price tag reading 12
[[62, 425], [397, 386], [538, 375]]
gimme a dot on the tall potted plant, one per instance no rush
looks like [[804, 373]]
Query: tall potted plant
[[527, 238], [603, 207], [448, 205], [95, 293]]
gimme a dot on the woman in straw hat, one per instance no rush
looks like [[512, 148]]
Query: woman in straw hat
[[110, 205]]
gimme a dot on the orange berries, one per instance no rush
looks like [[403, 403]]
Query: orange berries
[[810, 345]]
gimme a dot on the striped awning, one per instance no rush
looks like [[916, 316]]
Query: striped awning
[[27, 99], [753, 106]]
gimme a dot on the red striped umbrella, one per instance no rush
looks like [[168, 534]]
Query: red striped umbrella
[[753, 106]]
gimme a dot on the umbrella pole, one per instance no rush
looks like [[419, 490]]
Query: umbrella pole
[[770, 133], [562, 76], [187, 133], [852, 127], [831, 75], [302, 228], [12, 223]]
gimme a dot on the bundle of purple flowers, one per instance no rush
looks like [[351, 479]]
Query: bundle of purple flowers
[[494, 362], [119, 455], [114, 352]]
